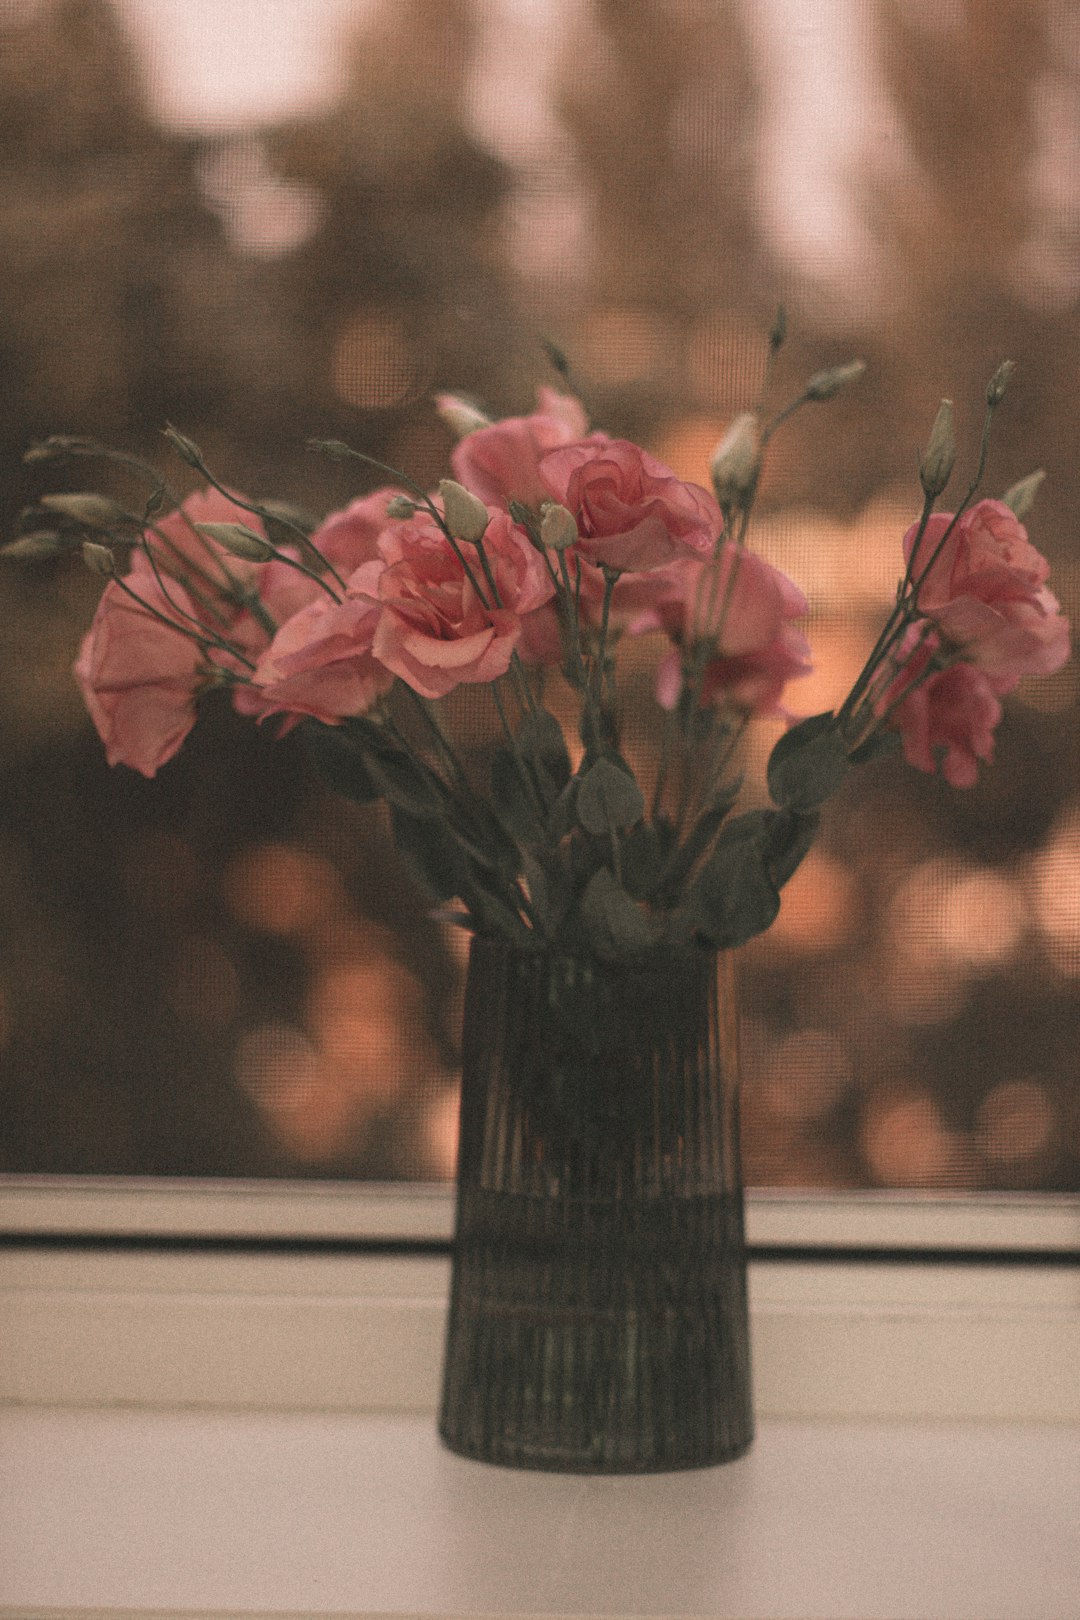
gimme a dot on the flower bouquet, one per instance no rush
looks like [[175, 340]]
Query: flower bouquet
[[598, 1313]]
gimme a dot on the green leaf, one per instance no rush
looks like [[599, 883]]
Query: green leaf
[[513, 798], [684, 858], [431, 853], [616, 925], [439, 863], [483, 836], [608, 799], [407, 783], [641, 860], [808, 763], [550, 888], [563, 817], [341, 758], [876, 747], [790, 836], [541, 738], [735, 895]]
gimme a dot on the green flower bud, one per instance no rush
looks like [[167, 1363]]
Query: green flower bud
[[935, 468], [558, 528], [238, 540], [736, 461], [38, 544], [995, 388], [466, 515], [99, 559], [779, 329], [185, 448], [92, 511], [55, 447], [1020, 497], [292, 517], [400, 506], [460, 416], [336, 449], [824, 384]]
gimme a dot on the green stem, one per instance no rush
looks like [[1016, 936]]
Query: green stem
[[527, 779], [443, 744], [303, 540], [202, 639]]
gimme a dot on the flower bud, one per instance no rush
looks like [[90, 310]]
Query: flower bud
[[466, 515], [995, 388], [736, 461], [185, 448], [1020, 497], [238, 540], [55, 447], [400, 506], [460, 417], [99, 559], [293, 517], [92, 511], [824, 384], [935, 468], [558, 528], [779, 329], [39, 543]]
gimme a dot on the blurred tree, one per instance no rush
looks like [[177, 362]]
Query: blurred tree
[[680, 288]]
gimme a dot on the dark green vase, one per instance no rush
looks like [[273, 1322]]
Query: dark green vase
[[598, 1317]]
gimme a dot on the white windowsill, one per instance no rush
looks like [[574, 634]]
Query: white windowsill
[[144, 1515], [208, 1432]]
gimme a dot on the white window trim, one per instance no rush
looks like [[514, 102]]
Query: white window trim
[[251, 1324], [375, 1211]]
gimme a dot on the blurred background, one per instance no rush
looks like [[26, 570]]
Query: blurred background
[[267, 220]]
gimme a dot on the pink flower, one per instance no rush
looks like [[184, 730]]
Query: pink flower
[[501, 463], [138, 676], [985, 589], [949, 717], [345, 539], [438, 628], [320, 662], [745, 607], [632, 512], [179, 549]]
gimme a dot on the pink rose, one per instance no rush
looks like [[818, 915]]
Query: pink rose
[[745, 607], [501, 463], [985, 589], [137, 675], [320, 662], [951, 715], [438, 628], [632, 512]]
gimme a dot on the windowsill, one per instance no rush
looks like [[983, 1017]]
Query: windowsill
[[210, 1430], [311, 1514]]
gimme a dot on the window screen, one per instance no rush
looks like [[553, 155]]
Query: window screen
[[268, 222]]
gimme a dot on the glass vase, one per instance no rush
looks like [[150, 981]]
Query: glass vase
[[598, 1319]]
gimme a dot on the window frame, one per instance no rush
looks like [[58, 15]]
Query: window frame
[[291, 1296], [84, 1208]]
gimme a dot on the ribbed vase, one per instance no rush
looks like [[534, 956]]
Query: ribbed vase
[[598, 1317]]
